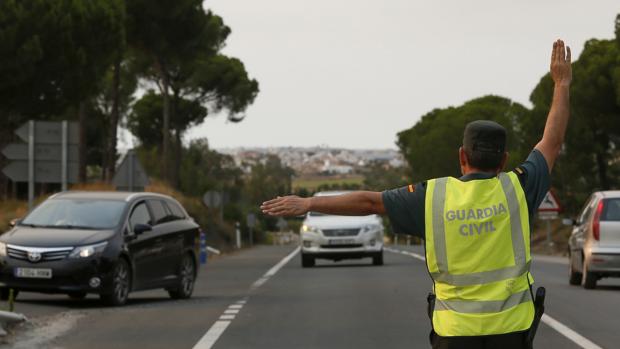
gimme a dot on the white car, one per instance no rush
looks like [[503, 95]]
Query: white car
[[594, 245], [340, 237]]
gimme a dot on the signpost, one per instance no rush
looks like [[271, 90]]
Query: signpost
[[50, 154], [216, 199], [548, 210], [130, 175], [250, 221]]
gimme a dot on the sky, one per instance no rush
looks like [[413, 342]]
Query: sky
[[353, 73]]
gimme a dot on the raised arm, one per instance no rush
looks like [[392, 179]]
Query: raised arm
[[555, 128], [359, 203]]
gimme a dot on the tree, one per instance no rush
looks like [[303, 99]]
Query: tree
[[145, 119], [179, 42], [431, 145], [112, 103], [53, 55], [593, 135]]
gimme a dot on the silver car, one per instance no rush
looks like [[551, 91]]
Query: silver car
[[594, 244], [340, 237]]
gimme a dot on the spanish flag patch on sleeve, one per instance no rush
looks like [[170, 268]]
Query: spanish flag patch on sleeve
[[411, 188]]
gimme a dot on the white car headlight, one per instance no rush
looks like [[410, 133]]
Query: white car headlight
[[370, 228], [88, 251], [310, 229], [2, 249]]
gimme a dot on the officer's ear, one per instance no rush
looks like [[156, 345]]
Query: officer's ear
[[463, 160]]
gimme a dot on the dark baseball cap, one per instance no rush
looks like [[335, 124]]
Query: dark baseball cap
[[485, 136]]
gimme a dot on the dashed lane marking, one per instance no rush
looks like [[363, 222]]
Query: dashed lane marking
[[564, 330], [217, 329]]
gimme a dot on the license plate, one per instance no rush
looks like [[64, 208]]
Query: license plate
[[33, 273], [341, 241]]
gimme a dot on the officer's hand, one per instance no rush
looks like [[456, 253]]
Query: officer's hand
[[286, 206], [561, 71]]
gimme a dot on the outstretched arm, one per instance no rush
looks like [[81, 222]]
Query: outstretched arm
[[555, 128], [358, 203]]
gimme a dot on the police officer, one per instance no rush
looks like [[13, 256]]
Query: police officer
[[476, 228]]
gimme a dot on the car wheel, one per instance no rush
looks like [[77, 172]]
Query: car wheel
[[377, 259], [574, 277], [77, 295], [307, 261], [6, 292], [186, 279], [121, 285], [588, 279]]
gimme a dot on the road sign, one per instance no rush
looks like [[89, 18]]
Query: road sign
[[251, 220], [212, 199], [49, 156], [130, 175], [550, 203], [282, 224], [45, 152], [45, 171], [50, 132]]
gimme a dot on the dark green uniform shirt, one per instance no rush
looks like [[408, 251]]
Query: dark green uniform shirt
[[406, 208]]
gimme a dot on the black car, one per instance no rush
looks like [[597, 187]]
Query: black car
[[108, 243]]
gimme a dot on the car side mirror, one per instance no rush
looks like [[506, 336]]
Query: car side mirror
[[569, 221], [14, 222], [140, 228]]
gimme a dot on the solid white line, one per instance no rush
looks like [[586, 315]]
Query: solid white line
[[271, 272], [407, 253], [214, 333], [551, 322], [568, 333], [216, 330]]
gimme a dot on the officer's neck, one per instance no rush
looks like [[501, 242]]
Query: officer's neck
[[467, 170]]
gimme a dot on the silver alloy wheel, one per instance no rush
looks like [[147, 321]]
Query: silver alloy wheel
[[187, 275], [121, 282]]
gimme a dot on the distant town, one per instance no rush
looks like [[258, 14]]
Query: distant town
[[317, 160]]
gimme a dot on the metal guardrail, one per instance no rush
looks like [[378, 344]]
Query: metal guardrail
[[7, 317], [284, 238], [404, 239]]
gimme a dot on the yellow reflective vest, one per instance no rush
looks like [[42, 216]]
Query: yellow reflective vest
[[478, 254]]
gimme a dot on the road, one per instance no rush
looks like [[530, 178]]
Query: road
[[255, 299]]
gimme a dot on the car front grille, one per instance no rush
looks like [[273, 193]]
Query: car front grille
[[46, 254], [340, 232]]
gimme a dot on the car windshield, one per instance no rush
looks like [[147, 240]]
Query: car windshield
[[76, 214]]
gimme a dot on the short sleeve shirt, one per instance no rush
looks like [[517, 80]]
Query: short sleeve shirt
[[405, 206]]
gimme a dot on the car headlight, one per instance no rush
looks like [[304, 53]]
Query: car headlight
[[2, 249], [310, 229], [371, 228], [88, 251]]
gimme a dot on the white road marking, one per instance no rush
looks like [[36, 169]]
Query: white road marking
[[214, 333], [218, 328], [569, 333], [406, 253], [551, 322]]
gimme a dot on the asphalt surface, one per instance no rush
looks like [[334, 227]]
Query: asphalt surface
[[349, 304]]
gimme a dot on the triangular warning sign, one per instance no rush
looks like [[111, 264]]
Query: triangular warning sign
[[550, 203]]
